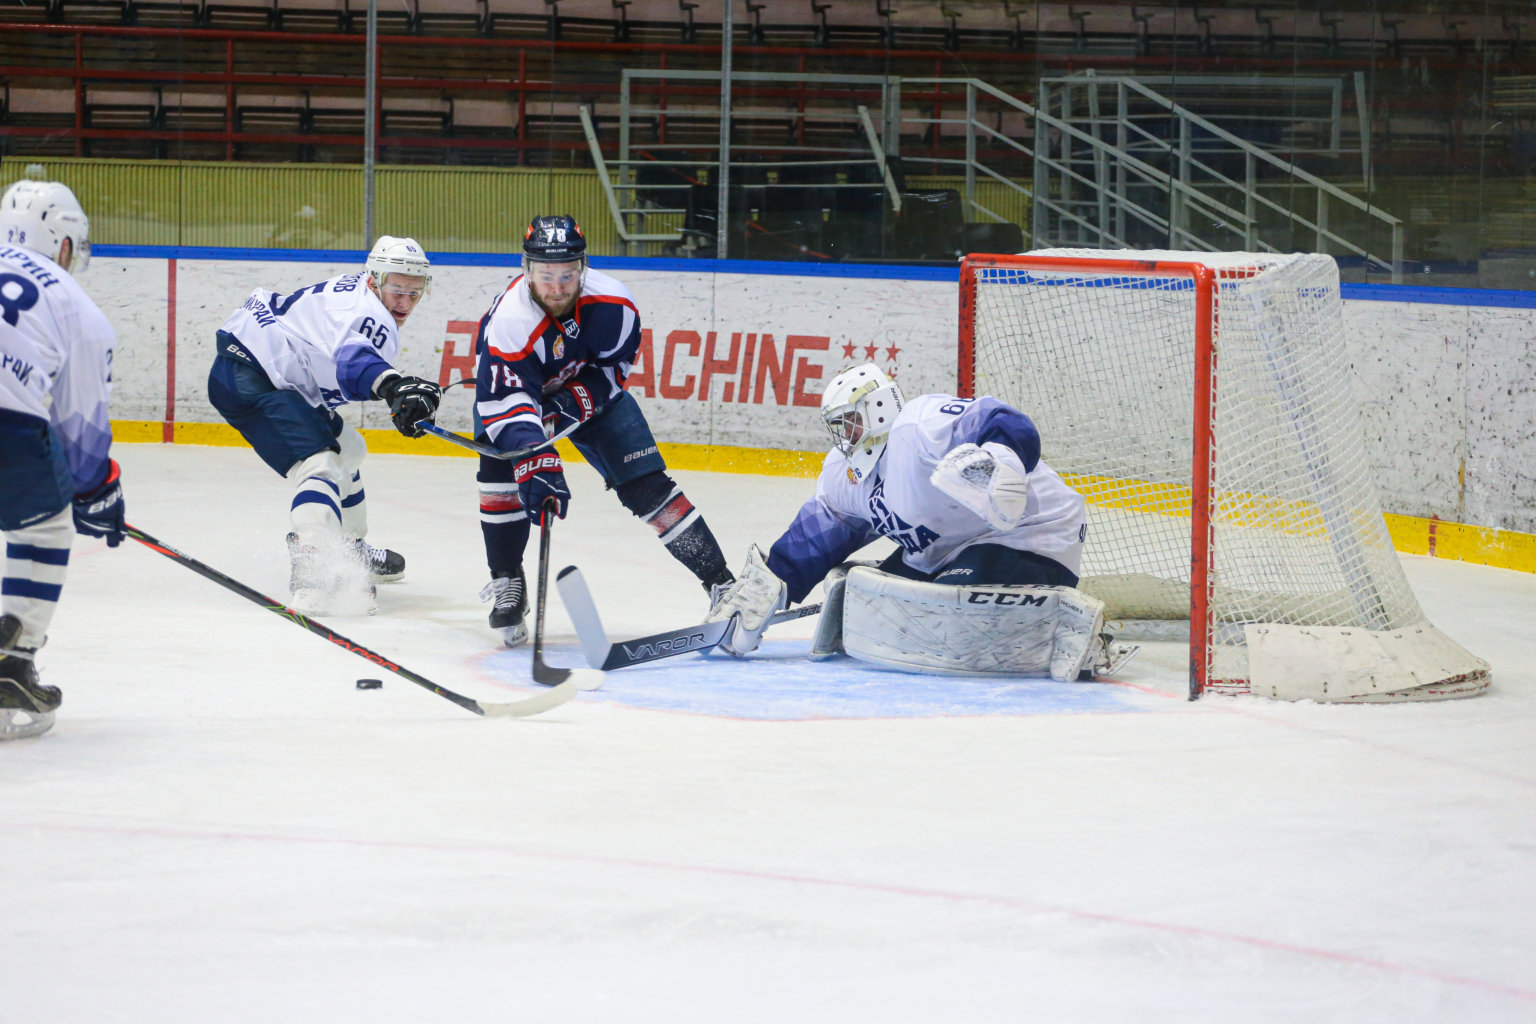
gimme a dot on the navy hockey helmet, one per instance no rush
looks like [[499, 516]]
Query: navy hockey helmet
[[554, 240]]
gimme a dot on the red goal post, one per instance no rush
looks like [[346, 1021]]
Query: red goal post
[[1202, 403]]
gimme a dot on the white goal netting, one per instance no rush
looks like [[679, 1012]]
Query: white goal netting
[[1108, 358]]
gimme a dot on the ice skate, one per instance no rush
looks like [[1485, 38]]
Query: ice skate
[[330, 581], [384, 565], [20, 687], [510, 604]]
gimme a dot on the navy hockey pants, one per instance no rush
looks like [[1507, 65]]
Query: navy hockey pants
[[35, 481], [282, 427], [986, 565]]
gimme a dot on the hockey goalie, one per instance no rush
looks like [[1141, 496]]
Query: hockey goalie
[[988, 543]]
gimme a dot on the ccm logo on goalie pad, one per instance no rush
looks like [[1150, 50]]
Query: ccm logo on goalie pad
[[538, 464], [984, 597], [676, 645]]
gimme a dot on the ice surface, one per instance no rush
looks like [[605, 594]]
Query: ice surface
[[221, 827]]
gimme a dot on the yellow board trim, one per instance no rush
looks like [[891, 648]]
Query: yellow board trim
[[1411, 535]]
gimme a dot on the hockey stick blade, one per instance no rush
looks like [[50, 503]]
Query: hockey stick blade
[[513, 709], [599, 652], [548, 675]]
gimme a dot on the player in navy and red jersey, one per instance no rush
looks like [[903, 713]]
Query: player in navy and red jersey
[[554, 350]]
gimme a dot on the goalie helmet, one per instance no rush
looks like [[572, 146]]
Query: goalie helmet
[[391, 255], [40, 215], [859, 407], [554, 240]]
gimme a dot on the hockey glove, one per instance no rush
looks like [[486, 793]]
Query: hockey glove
[[411, 401], [752, 600], [541, 479], [989, 480], [574, 402], [99, 512]]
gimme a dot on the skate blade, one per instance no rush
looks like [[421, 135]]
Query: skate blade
[[17, 724]]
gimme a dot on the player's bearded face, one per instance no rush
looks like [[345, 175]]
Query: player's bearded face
[[555, 286], [400, 293]]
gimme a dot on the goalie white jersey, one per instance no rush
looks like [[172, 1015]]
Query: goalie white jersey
[[329, 341], [56, 350], [897, 500]]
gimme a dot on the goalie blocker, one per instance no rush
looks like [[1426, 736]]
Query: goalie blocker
[[1005, 629]]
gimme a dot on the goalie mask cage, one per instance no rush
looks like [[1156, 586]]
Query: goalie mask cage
[[1202, 405]]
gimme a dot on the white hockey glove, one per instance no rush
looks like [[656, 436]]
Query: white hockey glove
[[989, 480], [752, 599]]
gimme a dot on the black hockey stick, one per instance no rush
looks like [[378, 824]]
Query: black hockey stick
[[514, 709], [485, 449], [601, 654], [585, 678]]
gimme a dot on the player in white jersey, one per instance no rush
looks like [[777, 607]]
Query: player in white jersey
[[554, 351], [285, 363], [55, 439], [957, 483]]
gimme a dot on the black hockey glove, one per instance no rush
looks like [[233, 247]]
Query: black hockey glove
[[574, 402], [540, 479], [99, 512], [411, 400]]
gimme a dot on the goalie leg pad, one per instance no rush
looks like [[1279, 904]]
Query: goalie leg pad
[[1078, 643], [1012, 630]]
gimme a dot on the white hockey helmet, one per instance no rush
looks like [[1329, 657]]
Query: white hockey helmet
[[858, 408], [391, 255], [40, 215]]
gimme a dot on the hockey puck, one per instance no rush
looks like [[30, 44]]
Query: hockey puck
[[370, 684]]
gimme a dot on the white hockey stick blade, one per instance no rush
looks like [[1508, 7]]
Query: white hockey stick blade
[[609, 656], [540, 702], [583, 613], [33, 723], [606, 656]]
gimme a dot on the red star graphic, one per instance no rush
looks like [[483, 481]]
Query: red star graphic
[[890, 353], [848, 350], [870, 350]]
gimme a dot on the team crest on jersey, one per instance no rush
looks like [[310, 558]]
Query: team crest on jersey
[[559, 350], [912, 539], [853, 476]]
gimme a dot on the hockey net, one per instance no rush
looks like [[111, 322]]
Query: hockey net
[[1202, 403]]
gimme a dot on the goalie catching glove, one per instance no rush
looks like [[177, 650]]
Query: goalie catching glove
[[989, 479], [751, 600]]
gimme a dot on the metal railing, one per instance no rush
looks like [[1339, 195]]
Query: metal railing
[[1104, 177], [1108, 178], [633, 204]]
